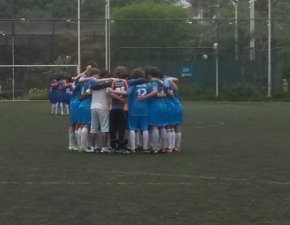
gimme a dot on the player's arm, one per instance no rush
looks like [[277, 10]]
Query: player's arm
[[111, 90], [81, 74], [115, 96], [169, 93], [84, 79], [101, 85], [173, 85], [162, 84], [137, 81], [154, 92], [86, 94], [175, 79], [161, 95]]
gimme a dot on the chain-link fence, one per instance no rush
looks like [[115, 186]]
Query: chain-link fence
[[198, 51]]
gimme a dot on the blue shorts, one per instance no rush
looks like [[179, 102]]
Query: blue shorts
[[85, 115], [157, 117], [138, 122], [60, 97], [52, 97], [67, 99], [75, 109], [71, 114], [178, 115], [170, 115]]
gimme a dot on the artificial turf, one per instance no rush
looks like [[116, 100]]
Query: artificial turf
[[233, 169]]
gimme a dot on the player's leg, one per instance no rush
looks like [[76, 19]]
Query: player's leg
[[121, 127], [177, 129], [104, 118], [94, 129], [143, 126], [113, 130], [133, 126], [86, 121]]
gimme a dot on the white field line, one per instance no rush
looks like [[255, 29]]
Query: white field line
[[218, 180], [240, 180]]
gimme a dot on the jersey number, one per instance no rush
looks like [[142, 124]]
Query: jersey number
[[142, 91]]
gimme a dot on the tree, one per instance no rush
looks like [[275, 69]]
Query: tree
[[149, 24]]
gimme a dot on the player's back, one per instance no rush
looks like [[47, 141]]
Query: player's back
[[86, 102], [169, 101], [156, 102], [136, 107], [120, 85]]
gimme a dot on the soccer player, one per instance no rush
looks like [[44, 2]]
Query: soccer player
[[157, 109], [85, 111], [178, 118], [60, 94], [74, 137], [100, 114], [170, 114], [68, 93], [119, 111], [52, 95]]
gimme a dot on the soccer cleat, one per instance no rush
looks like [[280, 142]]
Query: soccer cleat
[[169, 151], [62, 114], [114, 151], [75, 148], [81, 150], [89, 149], [71, 148], [176, 150], [155, 151], [122, 151], [105, 150]]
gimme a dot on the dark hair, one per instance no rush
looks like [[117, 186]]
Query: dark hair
[[154, 72], [121, 72], [146, 70], [104, 73], [69, 78], [137, 73], [93, 71]]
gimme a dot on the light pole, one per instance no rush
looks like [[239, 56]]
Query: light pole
[[79, 37], [215, 47], [107, 35], [269, 48], [235, 3], [13, 60], [252, 29]]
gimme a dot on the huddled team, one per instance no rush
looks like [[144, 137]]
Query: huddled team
[[120, 113]]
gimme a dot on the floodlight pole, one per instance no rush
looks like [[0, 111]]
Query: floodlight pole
[[79, 37], [235, 3], [215, 47], [13, 61], [269, 48], [252, 29], [107, 35]]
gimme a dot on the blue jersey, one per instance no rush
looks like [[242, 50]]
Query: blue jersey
[[177, 102], [53, 87], [169, 101], [86, 102], [155, 102], [135, 107]]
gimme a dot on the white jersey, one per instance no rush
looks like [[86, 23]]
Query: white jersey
[[100, 99]]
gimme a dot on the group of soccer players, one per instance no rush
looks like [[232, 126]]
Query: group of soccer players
[[120, 113]]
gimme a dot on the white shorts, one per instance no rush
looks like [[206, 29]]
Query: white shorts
[[99, 120]]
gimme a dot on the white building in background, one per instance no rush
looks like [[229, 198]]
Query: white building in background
[[183, 3]]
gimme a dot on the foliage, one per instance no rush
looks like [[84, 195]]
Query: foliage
[[148, 28], [38, 94]]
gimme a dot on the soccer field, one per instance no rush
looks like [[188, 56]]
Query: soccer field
[[233, 169]]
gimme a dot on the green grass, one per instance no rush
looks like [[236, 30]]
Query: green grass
[[233, 169]]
